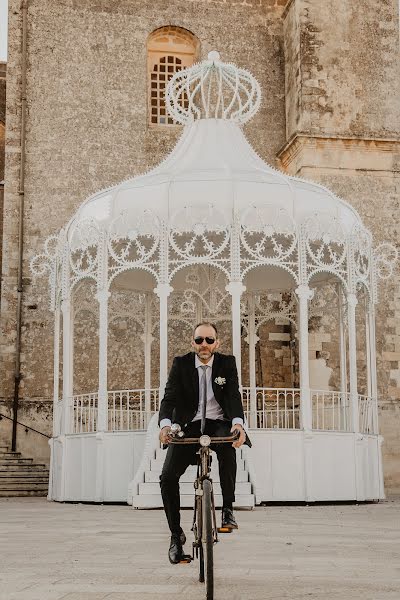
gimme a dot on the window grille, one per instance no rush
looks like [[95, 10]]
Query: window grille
[[170, 49]]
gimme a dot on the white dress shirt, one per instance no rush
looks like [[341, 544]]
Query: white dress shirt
[[213, 410]]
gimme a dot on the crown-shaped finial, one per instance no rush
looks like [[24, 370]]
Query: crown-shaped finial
[[213, 89]]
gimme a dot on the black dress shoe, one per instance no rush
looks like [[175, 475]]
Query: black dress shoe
[[175, 552], [228, 519]]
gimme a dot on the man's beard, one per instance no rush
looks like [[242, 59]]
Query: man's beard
[[209, 352]]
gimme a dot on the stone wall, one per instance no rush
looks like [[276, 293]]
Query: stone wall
[[343, 119]]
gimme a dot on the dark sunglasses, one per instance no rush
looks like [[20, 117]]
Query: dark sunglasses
[[199, 340]]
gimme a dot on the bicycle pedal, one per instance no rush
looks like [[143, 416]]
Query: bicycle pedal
[[224, 530], [185, 560]]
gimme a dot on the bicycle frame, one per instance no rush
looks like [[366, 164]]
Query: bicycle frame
[[203, 472]]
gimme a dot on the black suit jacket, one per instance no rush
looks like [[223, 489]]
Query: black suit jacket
[[181, 397]]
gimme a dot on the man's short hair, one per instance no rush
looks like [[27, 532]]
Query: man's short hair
[[208, 324]]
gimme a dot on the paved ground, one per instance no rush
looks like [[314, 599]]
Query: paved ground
[[51, 551]]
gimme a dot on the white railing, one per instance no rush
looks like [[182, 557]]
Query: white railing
[[368, 414], [131, 409], [331, 411], [84, 413], [264, 408], [275, 408], [127, 410]]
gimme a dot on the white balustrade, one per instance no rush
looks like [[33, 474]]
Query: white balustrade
[[127, 409], [331, 410], [276, 408], [368, 414], [84, 413]]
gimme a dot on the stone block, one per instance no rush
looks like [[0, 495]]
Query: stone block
[[279, 337], [391, 356]]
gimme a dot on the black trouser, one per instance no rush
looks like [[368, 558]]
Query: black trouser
[[180, 457]]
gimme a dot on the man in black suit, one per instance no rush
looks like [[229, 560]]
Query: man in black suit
[[202, 375]]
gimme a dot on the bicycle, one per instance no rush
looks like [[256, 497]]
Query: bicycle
[[204, 525]]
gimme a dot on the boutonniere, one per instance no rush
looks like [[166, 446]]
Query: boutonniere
[[220, 380]]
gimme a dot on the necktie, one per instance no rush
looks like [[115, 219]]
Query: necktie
[[203, 398]]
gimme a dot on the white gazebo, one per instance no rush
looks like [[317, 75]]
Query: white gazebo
[[215, 233]]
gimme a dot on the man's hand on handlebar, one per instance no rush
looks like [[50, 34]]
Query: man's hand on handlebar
[[164, 434], [242, 437]]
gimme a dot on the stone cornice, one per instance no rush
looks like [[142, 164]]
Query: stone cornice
[[343, 153]]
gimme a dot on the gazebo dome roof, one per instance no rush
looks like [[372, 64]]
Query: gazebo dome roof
[[213, 164], [213, 167]]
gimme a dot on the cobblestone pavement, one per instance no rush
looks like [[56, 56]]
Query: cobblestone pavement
[[52, 551]]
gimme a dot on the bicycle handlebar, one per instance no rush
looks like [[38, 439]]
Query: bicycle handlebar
[[214, 440]]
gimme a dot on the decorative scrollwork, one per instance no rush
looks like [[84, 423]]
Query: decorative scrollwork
[[44, 263], [325, 241], [199, 232], [268, 233], [134, 242], [83, 245], [361, 243], [213, 89], [385, 259]]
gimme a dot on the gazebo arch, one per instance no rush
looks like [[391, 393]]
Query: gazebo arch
[[214, 206]]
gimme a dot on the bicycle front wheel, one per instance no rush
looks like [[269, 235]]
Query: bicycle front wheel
[[207, 539]]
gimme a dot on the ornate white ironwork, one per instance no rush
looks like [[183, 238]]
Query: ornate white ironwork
[[269, 236], [213, 89], [276, 408], [50, 263], [280, 307], [331, 410], [199, 232], [83, 247], [385, 259], [134, 243], [326, 245]]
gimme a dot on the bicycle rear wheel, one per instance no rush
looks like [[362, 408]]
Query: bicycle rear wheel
[[207, 539], [199, 512]]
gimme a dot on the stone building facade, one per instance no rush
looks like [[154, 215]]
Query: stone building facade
[[330, 77]]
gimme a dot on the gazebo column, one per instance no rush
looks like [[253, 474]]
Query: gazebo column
[[304, 294], [342, 354], [102, 402], [68, 364], [372, 362], [252, 340], [236, 289], [56, 371], [163, 290], [147, 339], [351, 315]]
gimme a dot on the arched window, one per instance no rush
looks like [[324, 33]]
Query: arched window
[[169, 49]]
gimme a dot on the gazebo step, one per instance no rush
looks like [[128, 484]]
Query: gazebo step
[[161, 453], [156, 464], [190, 475], [242, 488], [187, 501]]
